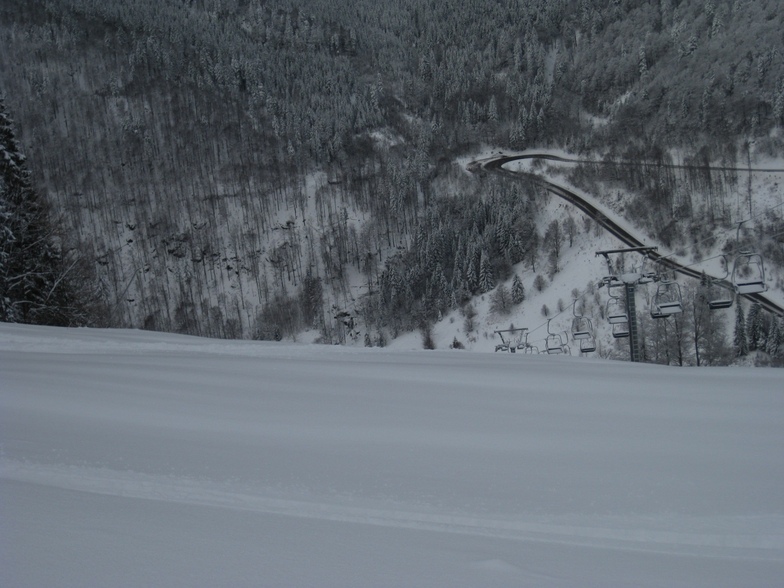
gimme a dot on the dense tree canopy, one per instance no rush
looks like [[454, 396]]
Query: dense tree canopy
[[227, 164]]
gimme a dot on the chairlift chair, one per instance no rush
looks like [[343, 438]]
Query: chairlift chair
[[720, 294], [528, 348], [616, 311], [748, 274], [720, 297], [507, 343], [667, 301], [504, 344], [581, 328], [620, 330], [748, 271], [581, 325], [719, 304], [582, 331], [587, 345], [554, 344]]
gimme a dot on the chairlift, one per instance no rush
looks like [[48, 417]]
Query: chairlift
[[582, 331], [511, 339], [667, 301], [748, 274], [582, 328], [620, 330], [581, 325], [554, 344], [528, 348], [616, 310], [719, 294], [719, 297], [748, 271], [587, 345]]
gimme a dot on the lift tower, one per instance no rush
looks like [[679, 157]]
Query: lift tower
[[630, 282]]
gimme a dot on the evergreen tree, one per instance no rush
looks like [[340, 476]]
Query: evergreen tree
[[553, 239], [739, 339], [36, 284], [518, 291], [441, 293], [486, 279], [754, 324], [311, 300], [774, 337], [472, 280], [570, 228]]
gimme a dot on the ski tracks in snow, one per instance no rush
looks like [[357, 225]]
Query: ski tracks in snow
[[747, 537]]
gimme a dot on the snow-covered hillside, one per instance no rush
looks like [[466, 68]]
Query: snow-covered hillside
[[131, 458], [580, 270]]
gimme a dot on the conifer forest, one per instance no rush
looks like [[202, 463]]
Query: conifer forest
[[254, 169]]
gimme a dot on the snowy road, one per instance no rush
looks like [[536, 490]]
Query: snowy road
[[130, 458]]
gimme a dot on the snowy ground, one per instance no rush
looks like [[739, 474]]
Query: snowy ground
[[131, 458]]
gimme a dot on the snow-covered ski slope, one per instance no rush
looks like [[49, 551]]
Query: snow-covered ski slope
[[131, 458]]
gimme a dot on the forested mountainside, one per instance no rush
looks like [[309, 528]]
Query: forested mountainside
[[232, 168]]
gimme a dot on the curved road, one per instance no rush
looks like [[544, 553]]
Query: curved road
[[496, 165]]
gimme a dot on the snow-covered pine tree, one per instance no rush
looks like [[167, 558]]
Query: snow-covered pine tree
[[518, 291], [739, 339], [754, 326], [35, 287], [774, 337], [472, 280], [486, 278]]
